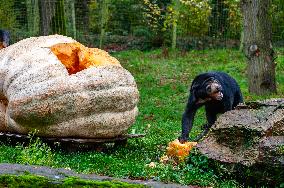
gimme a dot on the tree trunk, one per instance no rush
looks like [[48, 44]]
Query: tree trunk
[[174, 36], [175, 17], [258, 46], [33, 17], [59, 20], [104, 18], [70, 18], [241, 48], [47, 11]]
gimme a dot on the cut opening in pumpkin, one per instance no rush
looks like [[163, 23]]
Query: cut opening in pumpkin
[[76, 57]]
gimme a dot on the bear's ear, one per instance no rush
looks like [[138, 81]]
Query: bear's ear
[[193, 90], [194, 87]]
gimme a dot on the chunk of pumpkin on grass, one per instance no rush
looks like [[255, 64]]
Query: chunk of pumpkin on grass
[[179, 151]]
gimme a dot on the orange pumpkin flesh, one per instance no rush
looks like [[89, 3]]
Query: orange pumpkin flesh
[[76, 57], [178, 150]]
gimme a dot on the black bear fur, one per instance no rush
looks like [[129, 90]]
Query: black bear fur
[[226, 96]]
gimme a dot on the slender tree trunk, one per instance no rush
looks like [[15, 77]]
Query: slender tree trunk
[[241, 41], [258, 46], [85, 16], [33, 17], [70, 18], [59, 19], [174, 36], [175, 17], [47, 11], [104, 18]]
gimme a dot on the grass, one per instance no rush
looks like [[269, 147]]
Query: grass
[[163, 85]]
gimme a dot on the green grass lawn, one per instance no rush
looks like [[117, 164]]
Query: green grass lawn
[[163, 84]]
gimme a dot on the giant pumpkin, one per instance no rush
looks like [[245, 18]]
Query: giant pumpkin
[[63, 89]]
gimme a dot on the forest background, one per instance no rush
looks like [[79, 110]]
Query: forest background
[[117, 25]]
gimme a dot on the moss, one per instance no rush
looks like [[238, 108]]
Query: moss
[[24, 181], [39, 181], [79, 182], [280, 150]]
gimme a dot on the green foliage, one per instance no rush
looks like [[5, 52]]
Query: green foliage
[[94, 16], [119, 22], [124, 22], [193, 17], [36, 153], [163, 83], [155, 18], [7, 17], [277, 18], [234, 19], [153, 15], [198, 19]]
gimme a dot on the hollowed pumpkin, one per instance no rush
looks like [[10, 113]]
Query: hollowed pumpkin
[[61, 88]]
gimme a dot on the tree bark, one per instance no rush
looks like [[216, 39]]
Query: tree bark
[[258, 46], [47, 11], [59, 20], [175, 17], [33, 16], [70, 18], [242, 41], [104, 19]]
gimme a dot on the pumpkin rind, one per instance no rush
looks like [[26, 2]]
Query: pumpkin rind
[[97, 102]]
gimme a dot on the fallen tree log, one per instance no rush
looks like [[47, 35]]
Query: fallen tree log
[[249, 139]]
